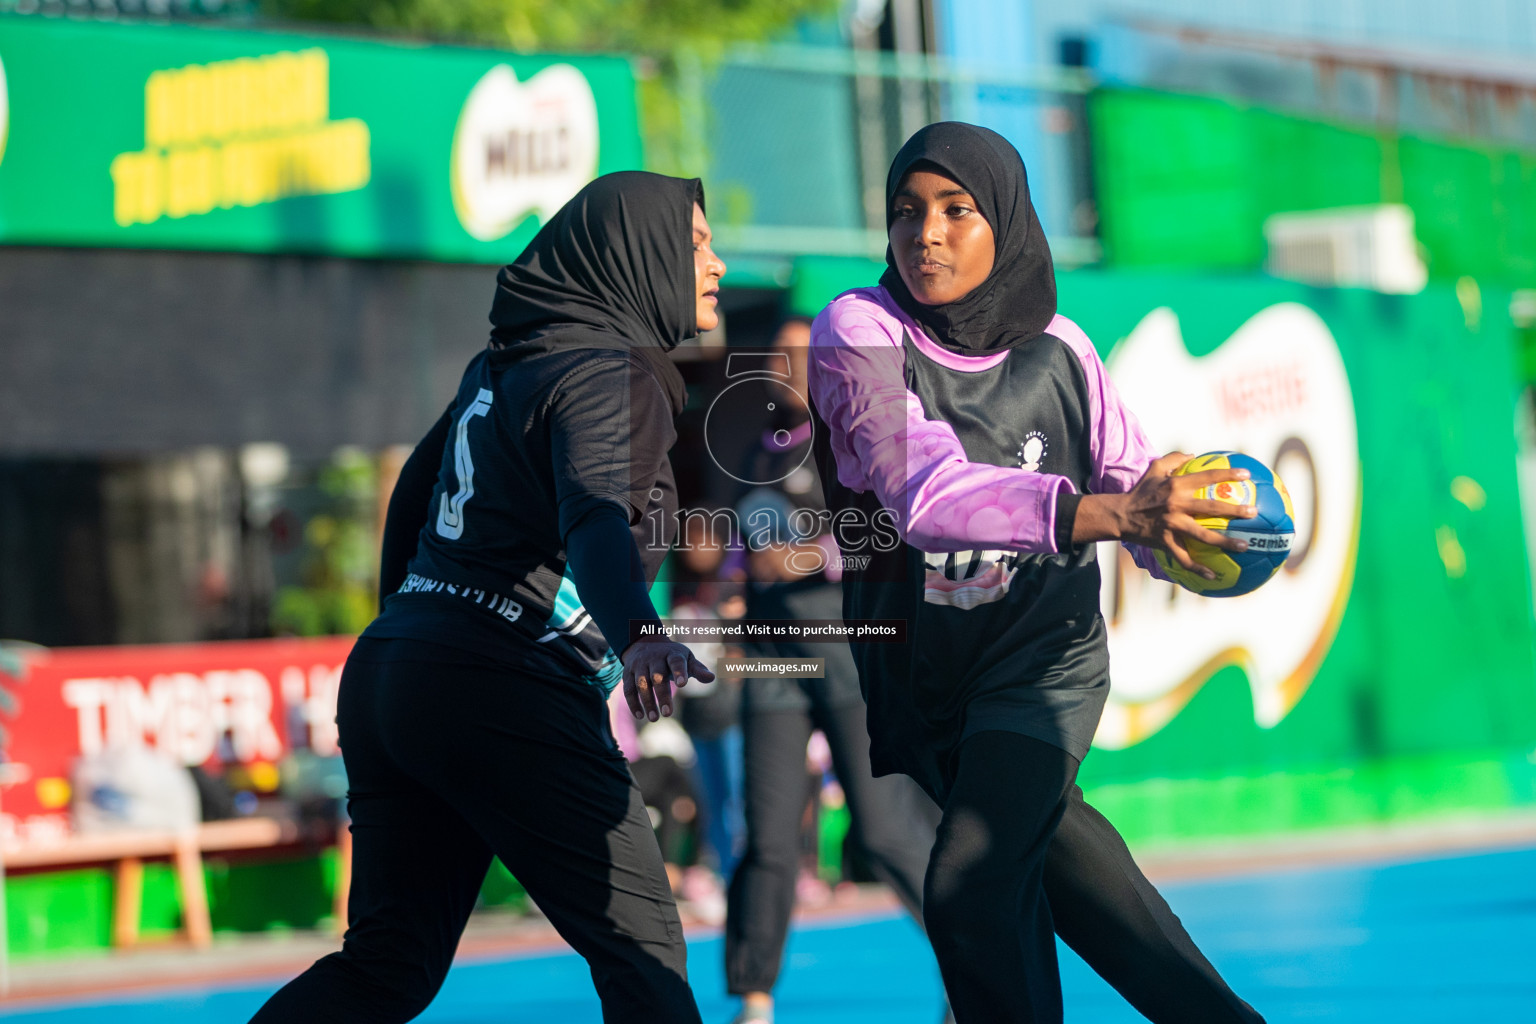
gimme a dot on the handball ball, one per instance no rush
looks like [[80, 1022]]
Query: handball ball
[[1269, 534]]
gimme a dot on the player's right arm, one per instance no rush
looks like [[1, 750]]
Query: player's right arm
[[1134, 497], [1160, 511]]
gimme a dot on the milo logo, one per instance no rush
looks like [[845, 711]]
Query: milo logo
[[522, 147]]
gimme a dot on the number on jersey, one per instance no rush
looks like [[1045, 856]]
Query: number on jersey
[[450, 514]]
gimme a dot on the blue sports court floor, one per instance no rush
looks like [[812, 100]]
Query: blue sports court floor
[[1441, 941]]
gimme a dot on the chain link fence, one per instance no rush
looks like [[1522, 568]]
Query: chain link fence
[[794, 143]]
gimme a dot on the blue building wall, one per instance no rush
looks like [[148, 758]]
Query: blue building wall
[[1494, 37], [1495, 28], [1000, 34]]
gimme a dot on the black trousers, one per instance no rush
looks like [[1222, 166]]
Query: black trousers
[[450, 760], [1019, 855], [891, 820]]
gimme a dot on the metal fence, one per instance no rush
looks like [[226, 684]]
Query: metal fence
[[192, 10], [794, 143]]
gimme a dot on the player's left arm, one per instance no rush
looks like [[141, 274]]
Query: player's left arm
[[610, 428], [1133, 496]]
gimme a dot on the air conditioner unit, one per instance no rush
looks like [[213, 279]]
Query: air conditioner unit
[[1359, 246]]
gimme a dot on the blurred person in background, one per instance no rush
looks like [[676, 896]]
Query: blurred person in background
[[712, 719], [712, 722], [928, 386], [517, 552], [890, 819], [711, 712]]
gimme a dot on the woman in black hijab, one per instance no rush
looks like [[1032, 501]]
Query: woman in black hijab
[[954, 399], [472, 712]]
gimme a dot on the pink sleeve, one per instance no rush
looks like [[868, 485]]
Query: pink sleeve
[[1120, 449], [883, 442], [625, 734]]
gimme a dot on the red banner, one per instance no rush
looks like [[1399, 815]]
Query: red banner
[[204, 704]]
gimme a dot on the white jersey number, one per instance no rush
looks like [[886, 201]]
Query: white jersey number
[[450, 514]]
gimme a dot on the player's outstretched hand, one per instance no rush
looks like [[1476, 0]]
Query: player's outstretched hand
[[653, 670], [1162, 508], [1160, 512]]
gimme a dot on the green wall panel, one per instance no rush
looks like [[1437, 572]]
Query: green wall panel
[[1187, 181]]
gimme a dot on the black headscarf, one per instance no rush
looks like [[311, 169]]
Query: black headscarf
[[612, 269], [1017, 301]]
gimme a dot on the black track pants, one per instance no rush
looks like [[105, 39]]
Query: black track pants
[[891, 820], [1019, 856], [449, 761], [1112, 917]]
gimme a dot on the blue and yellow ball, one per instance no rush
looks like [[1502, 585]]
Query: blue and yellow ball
[[1269, 534]]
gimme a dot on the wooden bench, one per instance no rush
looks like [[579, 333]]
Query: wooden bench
[[127, 850]]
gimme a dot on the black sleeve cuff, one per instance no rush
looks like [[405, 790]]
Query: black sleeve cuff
[[595, 549], [1066, 518]]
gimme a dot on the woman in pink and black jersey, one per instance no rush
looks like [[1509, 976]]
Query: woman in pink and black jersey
[[956, 400]]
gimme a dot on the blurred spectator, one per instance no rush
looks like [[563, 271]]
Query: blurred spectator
[[215, 796], [794, 576], [133, 787], [711, 712]]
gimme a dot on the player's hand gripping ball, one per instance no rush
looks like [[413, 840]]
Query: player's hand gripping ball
[[1269, 534]]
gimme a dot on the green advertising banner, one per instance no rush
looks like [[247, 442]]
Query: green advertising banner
[[1188, 181], [1389, 671], [189, 137]]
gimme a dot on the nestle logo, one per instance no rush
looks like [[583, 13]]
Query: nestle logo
[[1263, 393]]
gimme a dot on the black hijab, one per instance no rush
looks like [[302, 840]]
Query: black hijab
[[1017, 301], [612, 269]]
